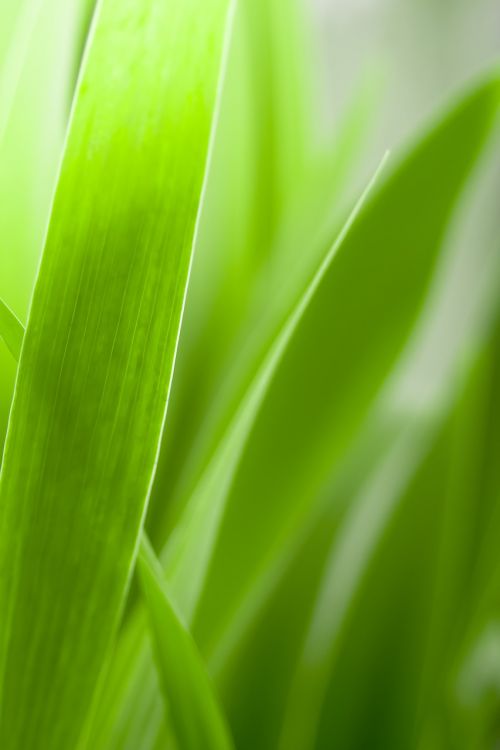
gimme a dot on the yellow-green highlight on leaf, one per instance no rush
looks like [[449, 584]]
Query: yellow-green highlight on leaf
[[193, 708], [98, 355], [11, 330]]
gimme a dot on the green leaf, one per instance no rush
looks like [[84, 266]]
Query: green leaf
[[459, 311], [98, 355], [338, 359], [36, 52], [344, 339], [11, 330], [193, 545], [186, 563], [193, 709]]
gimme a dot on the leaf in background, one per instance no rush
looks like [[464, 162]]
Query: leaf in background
[[459, 309], [230, 311], [98, 355], [18, 24], [247, 274], [469, 588], [340, 354], [193, 709], [194, 545], [36, 48], [326, 383], [11, 331]]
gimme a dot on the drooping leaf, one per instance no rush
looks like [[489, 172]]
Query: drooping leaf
[[193, 707], [98, 356]]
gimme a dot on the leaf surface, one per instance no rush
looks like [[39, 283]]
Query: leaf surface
[[98, 356]]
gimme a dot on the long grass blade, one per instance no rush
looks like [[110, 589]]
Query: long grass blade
[[98, 356]]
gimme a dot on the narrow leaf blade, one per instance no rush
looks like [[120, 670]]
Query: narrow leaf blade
[[98, 356]]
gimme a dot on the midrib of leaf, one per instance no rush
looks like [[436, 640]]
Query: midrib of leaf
[[98, 356]]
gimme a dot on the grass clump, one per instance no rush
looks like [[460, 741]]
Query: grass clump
[[313, 516]]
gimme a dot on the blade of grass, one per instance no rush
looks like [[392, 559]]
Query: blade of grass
[[324, 655], [340, 354], [193, 707], [98, 356], [188, 563]]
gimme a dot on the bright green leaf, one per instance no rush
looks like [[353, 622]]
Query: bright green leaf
[[98, 356]]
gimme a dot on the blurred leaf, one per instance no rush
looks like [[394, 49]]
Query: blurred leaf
[[348, 529], [98, 355], [36, 45], [20, 21], [342, 350], [326, 382], [193, 546], [194, 713]]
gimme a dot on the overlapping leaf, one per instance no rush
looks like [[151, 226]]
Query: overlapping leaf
[[36, 60], [98, 355], [348, 338]]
